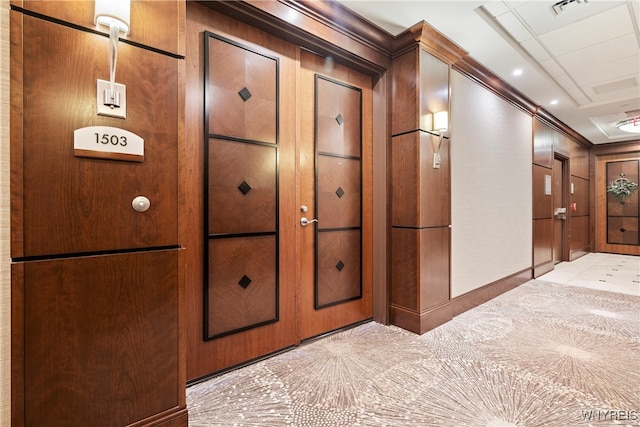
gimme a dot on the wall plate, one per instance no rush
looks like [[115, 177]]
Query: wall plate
[[105, 110]]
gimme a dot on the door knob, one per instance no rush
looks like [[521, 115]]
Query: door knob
[[304, 221], [140, 204]]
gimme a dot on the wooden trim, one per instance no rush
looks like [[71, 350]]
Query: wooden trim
[[540, 269], [174, 417], [483, 76], [17, 345], [326, 29], [381, 195], [421, 322], [16, 135], [616, 148], [431, 41]]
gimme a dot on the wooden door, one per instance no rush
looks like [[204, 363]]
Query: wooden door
[[334, 181], [559, 218], [251, 155], [249, 172]]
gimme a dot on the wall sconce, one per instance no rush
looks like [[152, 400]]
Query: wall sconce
[[114, 14], [439, 127]]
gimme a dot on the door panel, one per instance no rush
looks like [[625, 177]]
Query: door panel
[[335, 284], [241, 189], [339, 192], [85, 200], [98, 349], [243, 284], [243, 83], [338, 267]]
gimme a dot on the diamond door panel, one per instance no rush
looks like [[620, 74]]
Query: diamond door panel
[[338, 192], [241, 188]]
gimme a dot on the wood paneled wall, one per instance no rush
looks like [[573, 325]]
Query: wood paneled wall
[[5, 258], [546, 142], [420, 192], [601, 156], [97, 287]]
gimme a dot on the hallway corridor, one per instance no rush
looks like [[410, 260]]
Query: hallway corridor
[[561, 350]]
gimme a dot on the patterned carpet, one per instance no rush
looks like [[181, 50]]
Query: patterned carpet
[[543, 354]]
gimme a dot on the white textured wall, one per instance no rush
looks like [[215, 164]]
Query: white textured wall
[[5, 261], [491, 190]]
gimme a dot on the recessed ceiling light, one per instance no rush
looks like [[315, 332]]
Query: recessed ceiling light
[[553, 102], [517, 72]]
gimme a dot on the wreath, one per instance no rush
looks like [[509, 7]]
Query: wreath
[[622, 188]]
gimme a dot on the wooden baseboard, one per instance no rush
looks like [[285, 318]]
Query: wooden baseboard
[[421, 322], [178, 417], [578, 253], [540, 269]]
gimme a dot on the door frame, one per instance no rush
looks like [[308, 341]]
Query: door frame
[[202, 354], [565, 177]]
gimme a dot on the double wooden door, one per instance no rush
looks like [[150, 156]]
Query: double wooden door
[[287, 137]]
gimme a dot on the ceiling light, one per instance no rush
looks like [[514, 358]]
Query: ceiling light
[[517, 72], [553, 102], [632, 124]]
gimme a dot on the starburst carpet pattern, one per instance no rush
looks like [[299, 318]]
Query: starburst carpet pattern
[[543, 354]]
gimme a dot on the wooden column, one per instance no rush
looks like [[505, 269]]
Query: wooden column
[[421, 201]]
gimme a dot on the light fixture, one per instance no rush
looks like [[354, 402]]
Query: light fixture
[[114, 14], [439, 127], [632, 124]]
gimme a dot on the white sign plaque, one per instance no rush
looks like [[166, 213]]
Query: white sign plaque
[[106, 142], [547, 185]]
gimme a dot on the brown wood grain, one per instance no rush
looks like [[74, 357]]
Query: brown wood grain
[[112, 334], [541, 202], [405, 89], [158, 24], [337, 285], [599, 182], [206, 357], [230, 305], [314, 322], [543, 137], [420, 193], [230, 164], [234, 69], [86, 200], [542, 243]]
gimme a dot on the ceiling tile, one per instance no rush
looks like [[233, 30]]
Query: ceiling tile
[[601, 53], [541, 18], [514, 27], [611, 24], [605, 73], [535, 49]]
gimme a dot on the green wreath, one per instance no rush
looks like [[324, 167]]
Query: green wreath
[[622, 188]]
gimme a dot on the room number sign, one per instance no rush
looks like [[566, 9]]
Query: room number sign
[[105, 142]]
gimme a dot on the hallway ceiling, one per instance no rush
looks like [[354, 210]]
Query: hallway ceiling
[[579, 60]]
